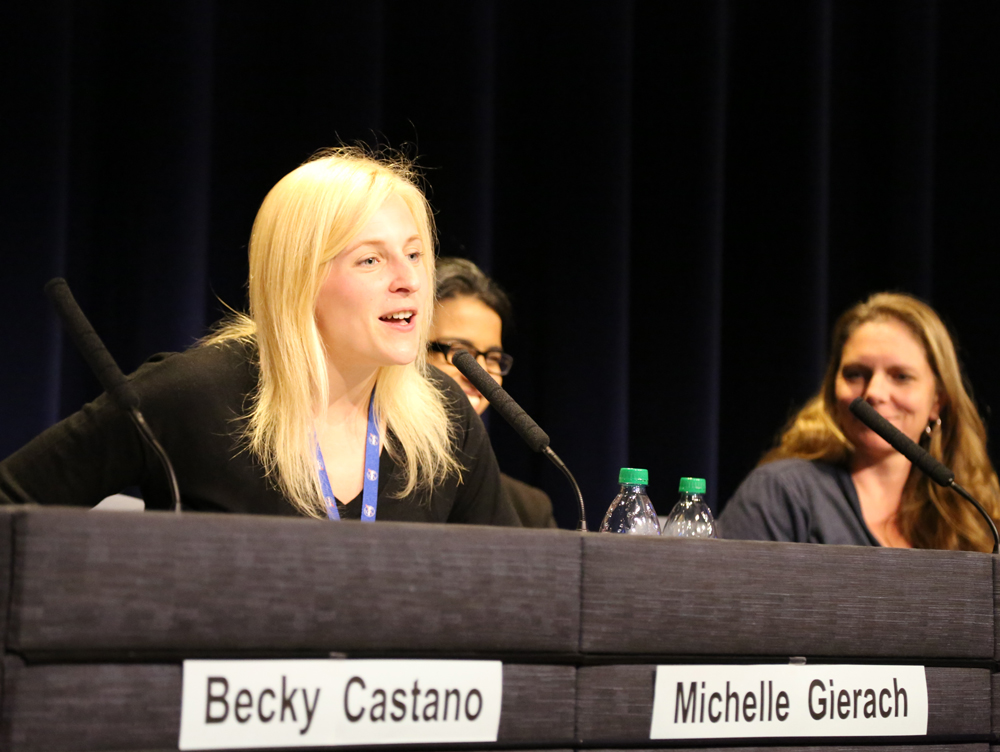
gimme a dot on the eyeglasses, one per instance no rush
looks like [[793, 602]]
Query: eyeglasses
[[498, 363]]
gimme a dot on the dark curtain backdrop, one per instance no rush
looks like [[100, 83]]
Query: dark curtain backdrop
[[679, 196]]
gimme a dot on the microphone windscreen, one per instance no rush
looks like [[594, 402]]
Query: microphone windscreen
[[90, 345], [502, 402], [902, 443]]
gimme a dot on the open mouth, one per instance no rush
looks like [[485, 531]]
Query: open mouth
[[401, 317]]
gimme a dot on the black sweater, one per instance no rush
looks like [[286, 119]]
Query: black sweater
[[195, 402]]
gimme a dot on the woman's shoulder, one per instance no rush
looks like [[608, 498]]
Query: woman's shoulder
[[203, 375], [794, 468], [791, 500], [794, 480], [218, 357]]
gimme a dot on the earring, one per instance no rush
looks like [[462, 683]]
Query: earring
[[931, 426]]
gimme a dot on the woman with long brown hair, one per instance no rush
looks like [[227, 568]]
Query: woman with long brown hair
[[831, 479]]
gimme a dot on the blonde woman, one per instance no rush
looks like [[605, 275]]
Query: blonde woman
[[832, 480], [319, 402]]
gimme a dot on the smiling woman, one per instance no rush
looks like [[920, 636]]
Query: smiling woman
[[832, 480], [374, 291], [319, 401]]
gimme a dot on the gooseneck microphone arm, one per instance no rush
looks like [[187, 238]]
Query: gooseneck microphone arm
[[581, 524], [521, 422], [108, 373], [919, 457]]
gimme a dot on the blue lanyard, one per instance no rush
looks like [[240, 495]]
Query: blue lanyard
[[369, 493]]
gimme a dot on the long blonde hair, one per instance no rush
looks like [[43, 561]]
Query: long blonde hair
[[929, 516], [304, 222]]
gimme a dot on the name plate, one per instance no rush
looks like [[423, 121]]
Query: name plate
[[726, 702], [326, 702]]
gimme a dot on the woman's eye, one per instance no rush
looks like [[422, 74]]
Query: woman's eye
[[415, 255], [370, 261]]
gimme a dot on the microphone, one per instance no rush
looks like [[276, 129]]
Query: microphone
[[502, 402], [519, 420], [90, 346], [108, 373], [902, 443], [919, 456]]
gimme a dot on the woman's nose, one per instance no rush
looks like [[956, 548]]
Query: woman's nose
[[406, 276], [876, 388]]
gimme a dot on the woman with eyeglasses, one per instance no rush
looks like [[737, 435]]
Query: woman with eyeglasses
[[469, 315], [319, 401]]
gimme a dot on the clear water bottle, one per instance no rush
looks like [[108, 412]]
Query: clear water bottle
[[631, 511], [691, 516]]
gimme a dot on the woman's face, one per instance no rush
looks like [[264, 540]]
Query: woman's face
[[470, 321], [884, 363], [375, 292]]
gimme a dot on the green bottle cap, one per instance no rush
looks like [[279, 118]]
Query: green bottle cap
[[692, 485], [633, 476]]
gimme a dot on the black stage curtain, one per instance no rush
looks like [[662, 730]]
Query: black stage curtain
[[680, 196]]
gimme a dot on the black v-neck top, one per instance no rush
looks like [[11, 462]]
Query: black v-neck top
[[195, 402], [797, 501]]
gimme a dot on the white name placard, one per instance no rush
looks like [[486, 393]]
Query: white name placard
[[311, 703], [725, 702]]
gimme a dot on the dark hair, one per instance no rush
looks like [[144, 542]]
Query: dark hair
[[458, 276]]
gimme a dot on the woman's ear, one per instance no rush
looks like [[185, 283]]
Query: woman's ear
[[935, 413]]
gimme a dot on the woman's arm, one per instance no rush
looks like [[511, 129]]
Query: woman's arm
[[765, 508], [194, 402], [93, 453]]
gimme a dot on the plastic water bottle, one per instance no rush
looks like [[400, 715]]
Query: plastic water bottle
[[631, 511], [691, 516]]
